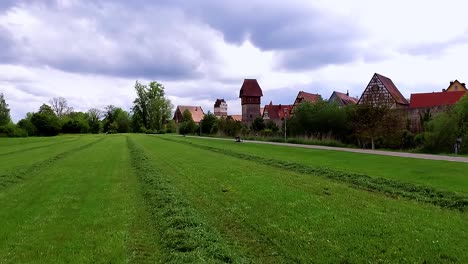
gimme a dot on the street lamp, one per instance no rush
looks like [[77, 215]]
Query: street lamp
[[285, 111]]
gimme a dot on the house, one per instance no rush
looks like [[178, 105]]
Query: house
[[426, 105], [455, 86], [381, 91], [305, 97], [342, 99], [250, 94], [220, 108], [276, 113], [196, 111]]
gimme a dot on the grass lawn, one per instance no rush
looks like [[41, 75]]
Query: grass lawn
[[442, 175], [83, 208], [159, 199], [272, 215]]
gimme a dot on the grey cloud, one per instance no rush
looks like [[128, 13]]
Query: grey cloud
[[434, 49], [110, 39]]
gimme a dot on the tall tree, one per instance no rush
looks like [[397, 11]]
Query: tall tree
[[116, 120], [4, 111], [151, 108], [94, 120], [60, 106]]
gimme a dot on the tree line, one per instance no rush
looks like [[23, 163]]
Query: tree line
[[150, 113], [363, 126]]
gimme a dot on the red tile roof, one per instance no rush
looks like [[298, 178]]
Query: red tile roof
[[196, 111], [276, 112], [307, 97], [236, 117], [392, 89], [435, 99], [346, 99], [250, 87]]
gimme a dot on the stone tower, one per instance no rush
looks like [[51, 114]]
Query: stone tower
[[250, 94], [220, 108]]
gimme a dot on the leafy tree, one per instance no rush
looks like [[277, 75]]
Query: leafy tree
[[45, 121], [187, 126], [60, 107], [208, 122], [151, 109], [4, 111], [317, 119], [27, 125], [366, 121], [271, 126], [258, 124], [231, 127], [75, 122], [94, 120], [116, 120]]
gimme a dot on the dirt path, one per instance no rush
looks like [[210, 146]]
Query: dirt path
[[365, 151]]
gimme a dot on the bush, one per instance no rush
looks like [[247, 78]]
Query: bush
[[10, 130]]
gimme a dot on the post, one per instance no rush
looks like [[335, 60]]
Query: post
[[285, 111], [200, 126]]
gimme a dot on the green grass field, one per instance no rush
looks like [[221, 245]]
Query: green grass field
[[169, 199]]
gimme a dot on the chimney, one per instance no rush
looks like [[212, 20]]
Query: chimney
[[347, 92], [443, 90]]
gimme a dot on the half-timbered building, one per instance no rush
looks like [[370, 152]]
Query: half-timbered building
[[381, 91]]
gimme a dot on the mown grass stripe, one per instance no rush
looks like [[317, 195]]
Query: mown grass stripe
[[184, 235], [37, 147], [19, 175], [389, 187]]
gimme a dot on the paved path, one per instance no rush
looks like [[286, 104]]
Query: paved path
[[365, 151]]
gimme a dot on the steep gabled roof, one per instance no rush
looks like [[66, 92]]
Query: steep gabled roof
[[250, 87], [421, 100], [307, 97], [344, 98], [196, 111], [392, 89], [218, 102], [276, 112]]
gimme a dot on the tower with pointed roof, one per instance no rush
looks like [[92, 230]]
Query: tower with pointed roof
[[250, 94]]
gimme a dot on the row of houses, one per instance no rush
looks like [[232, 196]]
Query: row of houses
[[381, 91]]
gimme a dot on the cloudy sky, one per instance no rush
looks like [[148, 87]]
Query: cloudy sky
[[91, 52]]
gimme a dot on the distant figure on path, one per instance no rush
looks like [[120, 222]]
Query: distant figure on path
[[458, 142]]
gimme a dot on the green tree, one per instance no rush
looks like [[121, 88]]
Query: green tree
[[4, 111], [151, 108], [27, 125], [317, 119], [258, 124], [116, 120], [366, 122], [187, 126], [45, 121], [94, 120], [208, 122], [75, 122]]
